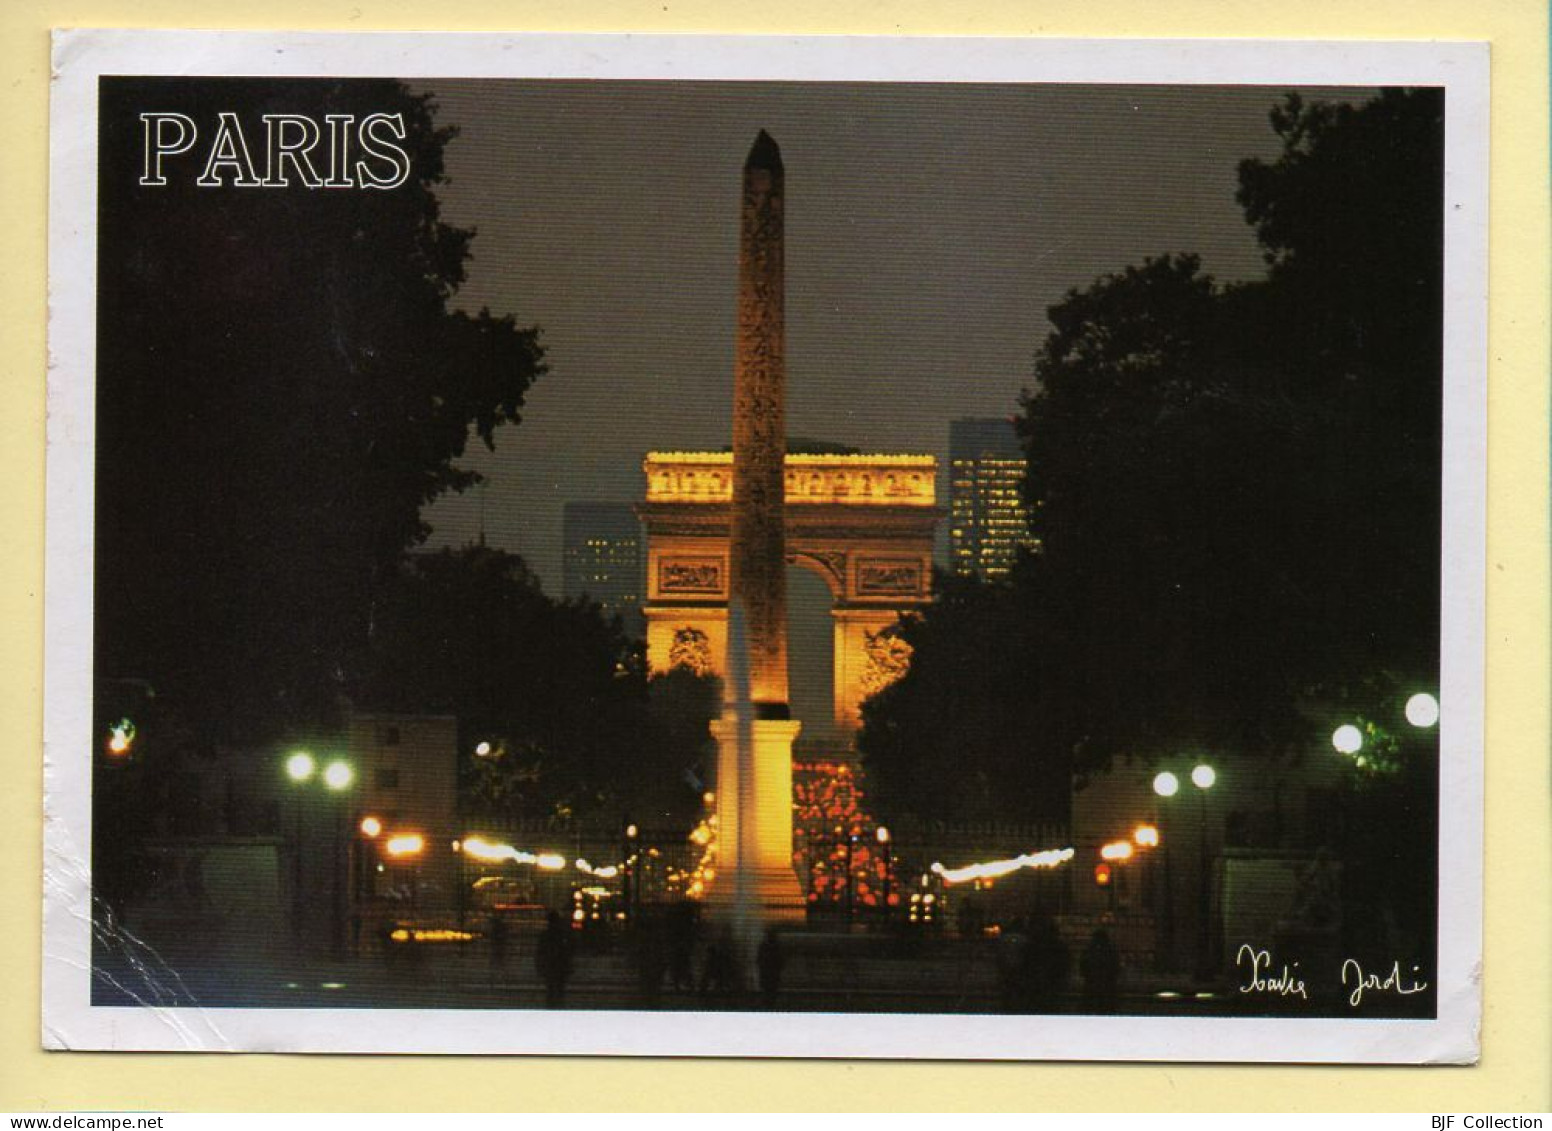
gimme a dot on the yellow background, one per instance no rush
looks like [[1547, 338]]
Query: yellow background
[[1516, 1069]]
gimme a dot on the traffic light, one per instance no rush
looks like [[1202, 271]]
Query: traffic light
[[1102, 875]]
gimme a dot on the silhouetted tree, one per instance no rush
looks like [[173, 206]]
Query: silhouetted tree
[[951, 738], [555, 691], [281, 388], [1236, 491]]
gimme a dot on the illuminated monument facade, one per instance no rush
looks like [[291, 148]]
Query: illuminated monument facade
[[721, 530], [863, 523]]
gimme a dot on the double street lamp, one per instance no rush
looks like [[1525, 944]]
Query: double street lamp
[[1167, 785], [337, 776], [1421, 711]]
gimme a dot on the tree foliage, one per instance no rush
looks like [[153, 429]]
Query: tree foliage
[[554, 690], [281, 388], [1235, 488], [951, 737]]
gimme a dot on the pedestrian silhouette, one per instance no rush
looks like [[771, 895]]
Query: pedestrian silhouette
[[1101, 969], [1011, 945], [498, 944], [770, 961], [651, 961], [681, 946], [717, 970], [1043, 975], [553, 960]]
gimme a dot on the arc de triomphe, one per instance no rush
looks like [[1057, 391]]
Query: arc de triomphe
[[864, 523]]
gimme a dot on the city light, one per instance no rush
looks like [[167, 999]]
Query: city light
[[1117, 850], [1422, 710], [1347, 739], [1166, 784], [494, 852], [430, 935], [121, 736], [482, 750], [408, 844], [300, 766], [1050, 858], [883, 835], [371, 826], [338, 775], [1203, 776], [1147, 836]]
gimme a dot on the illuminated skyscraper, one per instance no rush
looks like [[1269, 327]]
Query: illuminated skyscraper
[[602, 559], [988, 518]]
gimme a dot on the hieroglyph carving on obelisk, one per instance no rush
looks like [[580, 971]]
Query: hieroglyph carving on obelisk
[[758, 565], [756, 884]]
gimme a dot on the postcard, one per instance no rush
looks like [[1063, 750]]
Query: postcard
[[651, 545]]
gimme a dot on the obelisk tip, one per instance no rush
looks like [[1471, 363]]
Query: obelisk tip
[[764, 154]]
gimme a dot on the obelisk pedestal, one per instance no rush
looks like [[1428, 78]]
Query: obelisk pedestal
[[756, 888]]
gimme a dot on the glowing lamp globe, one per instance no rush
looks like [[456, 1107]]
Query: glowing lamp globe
[[1203, 776], [1166, 784], [299, 767], [1347, 739], [338, 775], [1422, 710]]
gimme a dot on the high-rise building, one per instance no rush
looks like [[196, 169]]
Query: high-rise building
[[988, 517], [602, 559]]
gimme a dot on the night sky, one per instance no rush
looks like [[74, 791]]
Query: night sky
[[928, 230]]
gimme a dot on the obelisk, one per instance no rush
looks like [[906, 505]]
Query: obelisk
[[756, 886], [758, 570]]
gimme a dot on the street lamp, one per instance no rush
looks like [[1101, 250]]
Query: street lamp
[[1203, 776], [406, 848], [882, 835], [847, 838], [1347, 739], [1167, 785], [632, 871], [121, 736], [370, 827], [300, 766], [1422, 710], [338, 776]]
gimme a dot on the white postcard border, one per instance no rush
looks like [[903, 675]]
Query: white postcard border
[[81, 57]]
